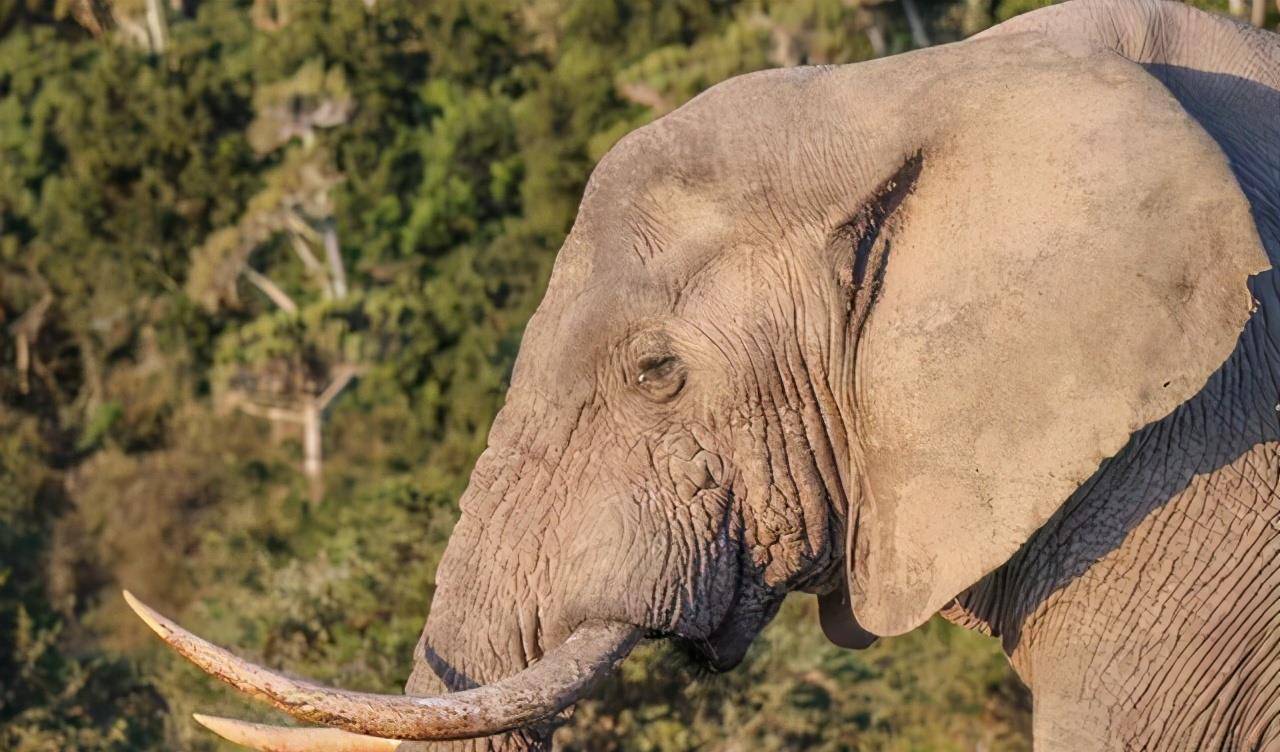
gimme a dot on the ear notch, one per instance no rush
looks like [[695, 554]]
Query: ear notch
[[1072, 266]]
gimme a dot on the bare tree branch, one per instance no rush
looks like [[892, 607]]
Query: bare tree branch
[[644, 95], [875, 35], [25, 331], [342, 375], [92, 388], [309, 415], [309, 260], [1259, 17], [338, 273], [301, 227], [312, 450], [270, 289], [270, 412], [22, 362]]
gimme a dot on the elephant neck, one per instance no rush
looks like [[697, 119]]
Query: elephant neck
[[1151, 595]]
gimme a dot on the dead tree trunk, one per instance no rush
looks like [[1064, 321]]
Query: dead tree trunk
[[25, 331], [308, 413], [312, 459], [919, 36], [333, 253]]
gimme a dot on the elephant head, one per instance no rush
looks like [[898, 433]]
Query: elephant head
[[857, 331]]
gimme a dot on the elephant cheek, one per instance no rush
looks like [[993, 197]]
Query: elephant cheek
[[603, 560]]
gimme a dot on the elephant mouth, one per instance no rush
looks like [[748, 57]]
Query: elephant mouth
[[725, 645], [724, 649], [700, 658]]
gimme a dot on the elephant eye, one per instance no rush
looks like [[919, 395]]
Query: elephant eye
[[661, 377]]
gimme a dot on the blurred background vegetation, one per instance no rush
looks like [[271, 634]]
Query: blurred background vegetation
[[264, 266]]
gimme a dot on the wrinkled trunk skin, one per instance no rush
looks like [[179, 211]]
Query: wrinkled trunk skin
[[484, 623], [485, 619], [561, 524], [467, 643], [475, 635]]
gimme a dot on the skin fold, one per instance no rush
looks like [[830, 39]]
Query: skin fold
[[987, 329]]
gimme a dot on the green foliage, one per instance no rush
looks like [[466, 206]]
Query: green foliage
[[51, 698], [938, 688], [156, 208]]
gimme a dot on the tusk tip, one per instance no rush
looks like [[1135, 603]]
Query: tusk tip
[[149, 616], [291, 739], [236, 732]]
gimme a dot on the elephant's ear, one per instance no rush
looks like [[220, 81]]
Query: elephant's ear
[[1070, 264]]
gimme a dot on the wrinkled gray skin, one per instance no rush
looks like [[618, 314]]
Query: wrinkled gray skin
[[969, 320]]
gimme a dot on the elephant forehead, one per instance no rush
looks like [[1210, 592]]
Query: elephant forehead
[[576, 331], [728, 166], [654, 231]]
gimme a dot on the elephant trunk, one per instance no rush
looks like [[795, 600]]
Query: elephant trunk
[[533, 695]]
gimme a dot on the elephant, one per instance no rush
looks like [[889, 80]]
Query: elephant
[[986, 330]]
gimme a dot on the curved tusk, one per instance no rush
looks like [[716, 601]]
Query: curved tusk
[[535, 694], [266, 738]]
